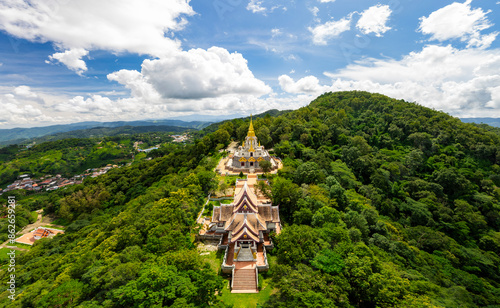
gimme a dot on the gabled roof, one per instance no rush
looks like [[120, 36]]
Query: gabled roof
[[244, 234], [245, 204], [42, 232], [276, 214], [250, 222], [216, 214], [245, 197], [226, 211], [265, 212], [240, 220]]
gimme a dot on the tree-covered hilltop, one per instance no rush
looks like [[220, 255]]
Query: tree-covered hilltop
[[384, 204]]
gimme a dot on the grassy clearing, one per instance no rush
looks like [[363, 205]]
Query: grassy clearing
[[244, 300], [214, 259], [239, 300], [214, 203], [34, 214], [139, 157], [52, 227], [3, 255], [23, 246], [61, 222]]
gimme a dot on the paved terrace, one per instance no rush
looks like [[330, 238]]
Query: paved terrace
[[29, 238]]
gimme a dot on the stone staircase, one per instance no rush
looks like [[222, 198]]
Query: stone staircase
[[244, 281]]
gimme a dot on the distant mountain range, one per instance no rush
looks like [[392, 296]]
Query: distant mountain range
[[100, 129], [495, 122], [22, 135]]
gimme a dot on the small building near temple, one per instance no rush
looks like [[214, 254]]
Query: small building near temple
[[249, 155]]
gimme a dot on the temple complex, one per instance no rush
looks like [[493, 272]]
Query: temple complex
[[243, 229], [249, 155]]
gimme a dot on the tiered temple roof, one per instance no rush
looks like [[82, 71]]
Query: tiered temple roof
[[246, 215]]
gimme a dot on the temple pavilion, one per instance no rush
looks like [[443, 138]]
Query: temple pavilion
[[249, 155], [243, 229]]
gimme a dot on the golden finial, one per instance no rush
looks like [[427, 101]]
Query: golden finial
[[251, 132]]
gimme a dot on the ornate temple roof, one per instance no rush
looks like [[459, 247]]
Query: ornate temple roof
[[246, 197], [244, 234]]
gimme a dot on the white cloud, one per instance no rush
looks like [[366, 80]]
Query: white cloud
[[256, 7], [326, 1], [374, 20], [25, 92], [330, 29], [72, 59], [137, 84], [195, 74], [459, 21], [314, 11], [16, 111], [139, 27], [461, 82], [308, 84]]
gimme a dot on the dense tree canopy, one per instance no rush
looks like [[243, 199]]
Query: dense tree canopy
[[384, 203]]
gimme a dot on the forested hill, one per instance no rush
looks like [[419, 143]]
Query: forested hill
[[99, 132], [23, 135], [384, 204], [387, 202]]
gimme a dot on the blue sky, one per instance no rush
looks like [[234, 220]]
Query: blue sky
[[66, 61]]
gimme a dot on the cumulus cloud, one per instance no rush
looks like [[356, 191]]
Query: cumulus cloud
[[308, 84], [17, 112], [25, 92], [462, 82], [459, 21], [72, 59], [374, 20], [195, 74], [331, 29], [141, 27], [137, 84]]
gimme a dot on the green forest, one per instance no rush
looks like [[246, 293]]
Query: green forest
[[384, 203], [71, 156]]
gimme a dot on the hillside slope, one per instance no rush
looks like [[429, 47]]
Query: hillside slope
[[384, 204]]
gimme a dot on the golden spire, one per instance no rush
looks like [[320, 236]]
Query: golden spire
[[251, 132]]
